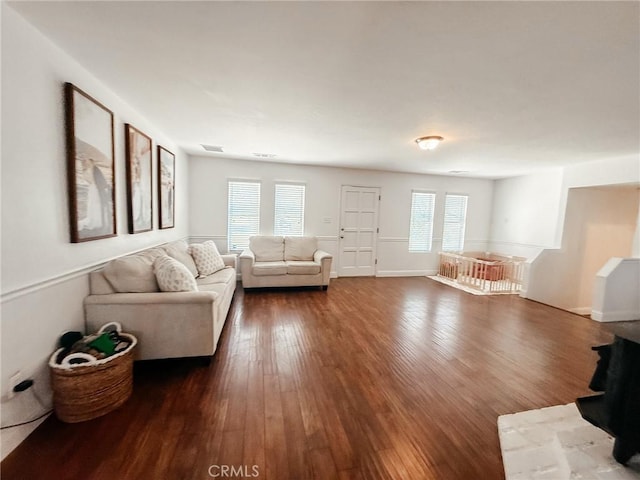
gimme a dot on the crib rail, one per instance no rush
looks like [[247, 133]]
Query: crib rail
[[484, 271]]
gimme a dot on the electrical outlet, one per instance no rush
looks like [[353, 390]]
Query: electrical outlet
[[15, 379]]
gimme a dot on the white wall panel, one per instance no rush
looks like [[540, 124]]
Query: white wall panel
[[525, 213], [208, 187], [44, 277]]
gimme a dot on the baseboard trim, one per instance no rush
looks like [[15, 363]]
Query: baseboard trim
[[619, 316], [405, 273], [580, 310], [13, 437]]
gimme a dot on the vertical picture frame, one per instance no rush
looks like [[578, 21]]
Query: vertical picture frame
[[166, 188], [138, 148], [91, 179]]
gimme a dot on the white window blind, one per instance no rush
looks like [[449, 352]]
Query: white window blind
[[421, 226], [289, 210], [455, 217], [243, 214]]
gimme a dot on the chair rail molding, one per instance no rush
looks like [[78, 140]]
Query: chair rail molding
[[66, 275]]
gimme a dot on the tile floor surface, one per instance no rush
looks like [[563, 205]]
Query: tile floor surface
[[556, 443]]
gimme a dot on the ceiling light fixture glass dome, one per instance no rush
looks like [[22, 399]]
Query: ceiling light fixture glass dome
[[429, 143]]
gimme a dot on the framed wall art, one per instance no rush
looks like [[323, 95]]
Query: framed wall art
[[166, 186], [139, 182], [90, 166]]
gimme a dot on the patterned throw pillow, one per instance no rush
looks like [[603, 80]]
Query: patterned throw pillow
[[207, 257], [173, 276]]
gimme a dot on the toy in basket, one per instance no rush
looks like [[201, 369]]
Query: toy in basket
[[93, 375]]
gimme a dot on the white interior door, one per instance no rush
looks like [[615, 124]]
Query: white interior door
[[358, 231]]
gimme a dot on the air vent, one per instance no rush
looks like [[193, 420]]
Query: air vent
[[212, 148], [264, 155]]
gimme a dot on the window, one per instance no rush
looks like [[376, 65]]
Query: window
[[455, 216], [289, 210], [421, 226], [243, 214]]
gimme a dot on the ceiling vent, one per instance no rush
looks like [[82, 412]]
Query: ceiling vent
[[212, 148], [264, 155]]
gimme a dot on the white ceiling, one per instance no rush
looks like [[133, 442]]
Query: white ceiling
[[513, 87]]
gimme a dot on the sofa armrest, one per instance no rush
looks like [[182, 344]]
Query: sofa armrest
[[248, 254], [321, 255], [230, 260], [324, 259], [155, 298], [247, 259]]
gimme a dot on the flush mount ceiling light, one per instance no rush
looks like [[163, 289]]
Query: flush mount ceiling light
[[429, 143]]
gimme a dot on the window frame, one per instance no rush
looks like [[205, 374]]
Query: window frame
[[462, 231], [303, 208], [429, 241], [237, 247]]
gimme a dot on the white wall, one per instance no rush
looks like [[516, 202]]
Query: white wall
[[532, 217], [616, 290], [208, 201], [525, 213], [620, 171], [44, 275], [529, 211], [635, 249], [599, 224]]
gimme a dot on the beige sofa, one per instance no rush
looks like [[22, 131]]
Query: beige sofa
[[166, 324], [274, 261]]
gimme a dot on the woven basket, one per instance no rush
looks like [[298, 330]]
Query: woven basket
[[86, 391]]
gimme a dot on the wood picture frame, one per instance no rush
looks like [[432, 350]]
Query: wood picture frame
[[91, 179], [166, 188], [138, 148]]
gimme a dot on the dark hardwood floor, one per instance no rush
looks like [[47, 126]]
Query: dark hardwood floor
[[399, 378]]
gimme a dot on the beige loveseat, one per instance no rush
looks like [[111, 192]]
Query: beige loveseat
[[166, 324], [284, 262]]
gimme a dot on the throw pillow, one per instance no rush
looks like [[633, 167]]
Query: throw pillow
[[207, 258], [173, 276], [133, 273], [180, 251]]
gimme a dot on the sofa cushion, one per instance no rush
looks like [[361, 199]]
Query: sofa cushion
[[221, 276], [173, 276], [267, 249], [180, 251], [207, 257], [300, 248], [133, 273], [269, 268], [301, 267], [214, 287]]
